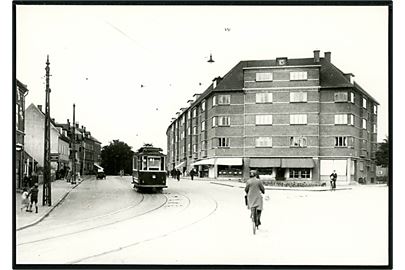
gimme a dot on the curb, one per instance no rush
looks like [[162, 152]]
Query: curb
[[275, 188], [49, 210]]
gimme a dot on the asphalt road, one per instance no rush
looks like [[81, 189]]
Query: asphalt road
[[196, 222]]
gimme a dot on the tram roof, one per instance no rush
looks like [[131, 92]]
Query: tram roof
[[149, 149]]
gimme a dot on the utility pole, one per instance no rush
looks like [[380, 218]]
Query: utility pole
[[73, 140], [46, 198]]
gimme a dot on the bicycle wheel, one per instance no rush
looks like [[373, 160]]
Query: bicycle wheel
[[254, 218]]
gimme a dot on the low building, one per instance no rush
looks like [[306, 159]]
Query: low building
[[289, 119]]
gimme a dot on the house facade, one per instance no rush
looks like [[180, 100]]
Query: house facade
[[35, 137], [22, 159], [289, 119]]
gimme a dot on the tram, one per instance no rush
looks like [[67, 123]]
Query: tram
[[148, 169]]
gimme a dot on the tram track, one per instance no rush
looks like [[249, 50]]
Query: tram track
[[101, 225], [156, 237]]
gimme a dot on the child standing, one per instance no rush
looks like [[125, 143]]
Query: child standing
[[24, 200], [34, 197]]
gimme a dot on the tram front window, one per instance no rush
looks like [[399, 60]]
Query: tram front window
[[154, 163]]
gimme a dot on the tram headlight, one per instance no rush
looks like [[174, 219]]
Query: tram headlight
[[153, 176]]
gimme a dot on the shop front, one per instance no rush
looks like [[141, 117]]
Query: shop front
[[229, 167], [265, 167]]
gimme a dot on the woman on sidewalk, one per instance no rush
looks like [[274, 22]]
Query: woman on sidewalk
[[24, 200]]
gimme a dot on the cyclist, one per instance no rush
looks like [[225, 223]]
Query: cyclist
[[254, 189]]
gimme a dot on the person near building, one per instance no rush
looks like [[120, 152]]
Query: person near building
[[192, 173], [178, 174], [254, 190], [24, 200], [34, 197], [333, 178]]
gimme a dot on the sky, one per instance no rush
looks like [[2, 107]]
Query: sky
[[129, 69]]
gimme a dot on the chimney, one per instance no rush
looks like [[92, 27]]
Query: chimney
[[328, 56], [190, 101], [40, 107], [68, 122], [316, 56]]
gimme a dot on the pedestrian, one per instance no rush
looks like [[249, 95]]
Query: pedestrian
[[254, 190], [192, 173], [24, 200], [178, 174], [34, 197], [333, 178]]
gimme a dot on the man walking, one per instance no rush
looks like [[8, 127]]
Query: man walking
[[333, 178], [254, 189]]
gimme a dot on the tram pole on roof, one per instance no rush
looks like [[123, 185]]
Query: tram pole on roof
[[46, 198]]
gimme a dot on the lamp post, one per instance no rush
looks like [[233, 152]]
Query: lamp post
[[46, 198]]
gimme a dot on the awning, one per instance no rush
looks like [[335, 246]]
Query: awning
[[98, 166], [297, 163], [265, 162], [209, 161], [180, 165], [229, 161]]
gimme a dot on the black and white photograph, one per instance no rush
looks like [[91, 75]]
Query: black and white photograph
[[218, 135]]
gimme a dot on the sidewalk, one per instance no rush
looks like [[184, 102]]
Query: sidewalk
[[59, 190], [237, 183]]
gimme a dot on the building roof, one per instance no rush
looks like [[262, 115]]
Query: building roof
[[330, 77], [22, 86]]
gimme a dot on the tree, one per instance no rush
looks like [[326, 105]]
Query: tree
[[117, 156], [382, 154]]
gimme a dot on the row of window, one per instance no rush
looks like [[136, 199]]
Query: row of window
[[297, 96], [294, 76], [267, 119], [295, 141]]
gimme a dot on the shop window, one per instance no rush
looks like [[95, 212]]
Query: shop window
[[299, 173]]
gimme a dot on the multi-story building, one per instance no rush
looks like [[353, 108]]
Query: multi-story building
[[21, 156], [289, 119], [35, 138]]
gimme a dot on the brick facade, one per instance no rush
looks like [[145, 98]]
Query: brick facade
[[290, 119]]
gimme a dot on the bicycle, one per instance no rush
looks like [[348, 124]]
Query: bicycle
[[254, 217]]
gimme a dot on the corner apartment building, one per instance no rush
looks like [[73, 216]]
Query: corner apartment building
[[289, 119]]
